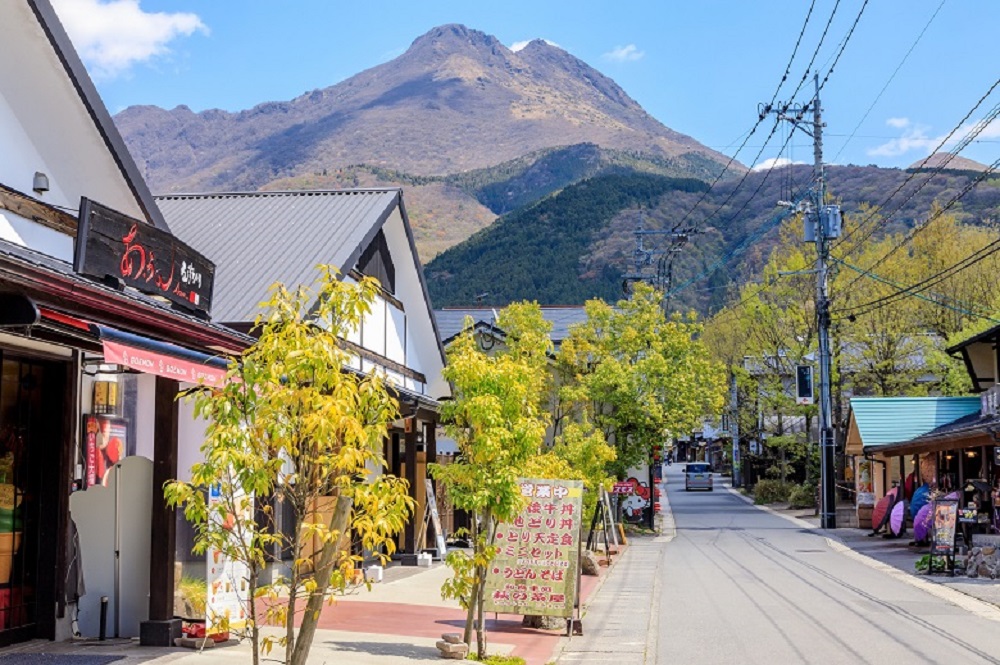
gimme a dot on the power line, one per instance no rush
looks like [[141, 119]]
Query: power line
[[917, 229], [975, 131], [887, 83], [928, 282], [937, 299], [909, 178], [843, 44], [753, 130], [741, 247]]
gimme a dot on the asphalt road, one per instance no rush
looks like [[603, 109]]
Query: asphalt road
[[740, 585]]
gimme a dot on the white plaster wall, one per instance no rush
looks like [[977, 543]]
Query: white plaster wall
[[145, 415], [373, 331], [395, 334], [19, 158], [26, 233], [44, 110], [422, 351], [190, 437]]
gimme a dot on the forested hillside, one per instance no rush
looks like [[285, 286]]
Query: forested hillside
[[580, 242], [535, 253]]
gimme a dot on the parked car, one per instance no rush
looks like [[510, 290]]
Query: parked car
[[698, 476]]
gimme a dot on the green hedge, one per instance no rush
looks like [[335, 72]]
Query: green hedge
[[802, 496], [771, 491]]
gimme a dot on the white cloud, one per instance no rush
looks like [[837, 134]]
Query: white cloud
[[774, 163], [113, 35], [915, 138], [624, 54]]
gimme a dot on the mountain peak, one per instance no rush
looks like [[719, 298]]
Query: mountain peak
[[428, 112], [453, 34]]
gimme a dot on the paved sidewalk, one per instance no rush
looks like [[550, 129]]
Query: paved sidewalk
[[397, 622], [621, 624]]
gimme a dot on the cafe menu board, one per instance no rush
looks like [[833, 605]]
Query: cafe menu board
[[227, 603], [945, 519], [536, 566]]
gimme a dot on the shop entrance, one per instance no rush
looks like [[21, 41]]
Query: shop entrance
[[32, 399]]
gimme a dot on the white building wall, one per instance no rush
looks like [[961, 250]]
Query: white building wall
[[421, 345], [19, 158], [395, 334], [373, 328], [190, 437]]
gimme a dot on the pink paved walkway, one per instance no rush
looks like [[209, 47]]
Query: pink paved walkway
[[537, 647]]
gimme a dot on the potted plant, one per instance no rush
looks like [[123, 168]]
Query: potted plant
[[10, 517]]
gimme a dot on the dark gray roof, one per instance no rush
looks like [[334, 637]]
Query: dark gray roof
[[451, 320], [95, 106], [258, 238]]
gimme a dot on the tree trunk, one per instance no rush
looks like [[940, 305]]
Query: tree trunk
[[470, 615], [254, 627], [292, 595], [340, 523]]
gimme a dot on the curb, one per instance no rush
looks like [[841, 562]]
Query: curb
[[969, 603]]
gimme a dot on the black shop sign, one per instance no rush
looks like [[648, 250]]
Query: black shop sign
[[112, 245]]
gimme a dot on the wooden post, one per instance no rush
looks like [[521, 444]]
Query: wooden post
[[430, 455], [410, 457], [163, 522]]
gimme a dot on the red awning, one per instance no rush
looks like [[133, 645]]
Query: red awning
[[169, 366]]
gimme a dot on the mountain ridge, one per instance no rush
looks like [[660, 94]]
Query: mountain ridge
[[429, 111]]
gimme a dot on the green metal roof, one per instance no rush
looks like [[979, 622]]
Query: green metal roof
[[885, 420]]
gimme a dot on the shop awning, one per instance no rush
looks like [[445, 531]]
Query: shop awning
[[143, 354], [162, 359], [877, 422], [968, 431]]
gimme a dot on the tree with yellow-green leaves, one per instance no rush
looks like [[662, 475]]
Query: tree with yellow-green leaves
[[498, 419], [893, 348], [639, 377], [291, 422]]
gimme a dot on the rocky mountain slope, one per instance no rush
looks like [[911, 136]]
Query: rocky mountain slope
[[430, 111]]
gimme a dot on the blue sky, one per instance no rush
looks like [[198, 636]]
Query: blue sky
[[700, 67]]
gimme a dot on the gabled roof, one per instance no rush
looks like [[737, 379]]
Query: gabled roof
[[73, 68], [881, 421], [451, 320], [258, 238]]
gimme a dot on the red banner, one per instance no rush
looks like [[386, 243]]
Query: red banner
[[163, 365]]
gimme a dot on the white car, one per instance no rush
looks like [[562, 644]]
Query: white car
[[698, 476]]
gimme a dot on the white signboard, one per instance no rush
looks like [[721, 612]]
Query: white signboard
[[227, 603]]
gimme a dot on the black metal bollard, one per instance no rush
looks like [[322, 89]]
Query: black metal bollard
[[104, 618]]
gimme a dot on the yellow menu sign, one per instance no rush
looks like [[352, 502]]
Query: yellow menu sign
[[535, 569]]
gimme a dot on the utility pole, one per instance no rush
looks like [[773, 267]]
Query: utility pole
[[734, 430], [822, 224], [828, 492]]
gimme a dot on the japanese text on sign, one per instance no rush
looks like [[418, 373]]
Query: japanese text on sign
[[535, 569]]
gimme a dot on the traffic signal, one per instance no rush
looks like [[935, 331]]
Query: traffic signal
[[804, 384]]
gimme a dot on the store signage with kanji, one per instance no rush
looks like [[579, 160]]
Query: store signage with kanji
[[536, 566], [110, 244]]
